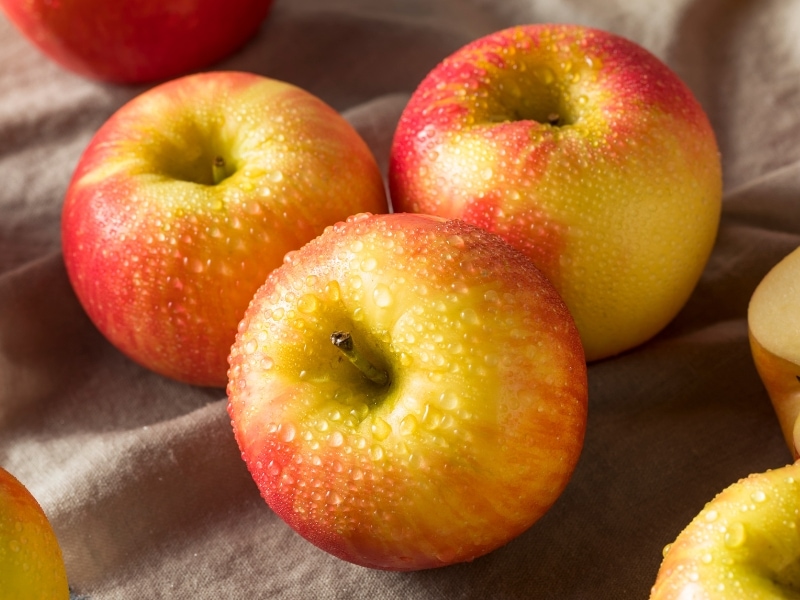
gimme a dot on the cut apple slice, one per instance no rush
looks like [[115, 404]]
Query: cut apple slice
[[774, 329]]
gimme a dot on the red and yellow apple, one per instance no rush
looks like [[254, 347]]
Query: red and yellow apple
[[773, 320], [31, 564], [408, 392], [133, 41], [743, 545], [581, 149], [189, 195]]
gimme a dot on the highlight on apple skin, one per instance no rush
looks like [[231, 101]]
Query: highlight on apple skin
[[743, 545], [136, 41], [189, 195], [773, 320], [583, 150], [31, 563], [454, 428]]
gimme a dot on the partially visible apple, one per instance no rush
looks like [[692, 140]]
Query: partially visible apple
[[31, 564], [408, 392], [186, 199], [133, 41], [583, 150], [773, 320], [744, 545]]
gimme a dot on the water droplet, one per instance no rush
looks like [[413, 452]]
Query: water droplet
[[448, 400], [468, 315], [308, 303], [707, 558], [376, 452], [276, 176], [735, 535], [382, 295], [333, 290], [666, 550], [408, 425], [368, 264], [456, 241], [287, 432], [711, 515], [336, 439], [758, 496], [380, 429]]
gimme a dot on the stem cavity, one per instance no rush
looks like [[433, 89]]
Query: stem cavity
[[344, 342], [218, 172]]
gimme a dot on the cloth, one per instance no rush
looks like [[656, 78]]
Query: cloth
[[141, 477]]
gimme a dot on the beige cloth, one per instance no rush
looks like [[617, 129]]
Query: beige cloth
[[141, 476]]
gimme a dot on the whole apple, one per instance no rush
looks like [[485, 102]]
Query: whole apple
[[31, 564], [584, 151], [133, 41], [189, 195], [773, 319], [743, 545], [408, 392]]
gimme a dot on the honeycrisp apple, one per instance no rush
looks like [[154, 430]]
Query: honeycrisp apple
[[743, 545], [773, 319], [189, 195], [583, 150], [31, 564], [131, 41], [408, 392]]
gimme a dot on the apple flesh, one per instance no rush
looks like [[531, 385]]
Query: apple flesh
[[584, 151], [773, 319], [135, 41], [744, 544], [31, 564], [189, 195], [453, 423]]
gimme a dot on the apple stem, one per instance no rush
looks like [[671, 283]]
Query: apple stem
[[344, 342], [218, 170], [553, 118]]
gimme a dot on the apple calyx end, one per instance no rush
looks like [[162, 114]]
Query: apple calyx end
[[343, 340]]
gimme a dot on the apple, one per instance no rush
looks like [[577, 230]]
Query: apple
[[773, 320], [189, 195], [31, 564], [581, 149], [134, 41], [408, 392], [743, 545]]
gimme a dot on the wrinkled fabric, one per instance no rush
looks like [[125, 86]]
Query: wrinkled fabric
[[141, 476]]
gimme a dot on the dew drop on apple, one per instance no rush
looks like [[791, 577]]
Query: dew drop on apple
[[758, 496], [380, 429], [287, 432], [736, 535], [376, 452], [308, 303], [382, 296]]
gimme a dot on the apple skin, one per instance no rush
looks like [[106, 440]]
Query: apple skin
[[773, 320], [743, 545], [164, 260], [481, 424], [136, 41], [618, 203], [31, 564]]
